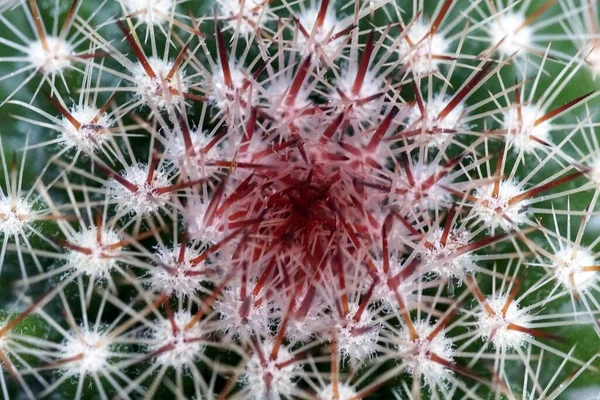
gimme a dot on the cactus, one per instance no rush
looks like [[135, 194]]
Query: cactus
[[310, 199]]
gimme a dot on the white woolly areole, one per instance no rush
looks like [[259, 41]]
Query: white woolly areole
[[508, 30], [158, 91], [496, 326], [87, 353], [14, 218], [430, 123], [279, 88], [451, 266], [424, 46], [432, 196], [52, 60], [244, 17], [371, 86], [209, 233], [357, 341], [229, 305], [344, 392], [569, 266], [95, 259], [593, 57], [151, 12], [268, 381], [416, 354], [181, 278], [227, 97], [175, 146], [594, 172], [320, 42], [493, 210], [91, 135], [280, 110], [146, 199], [384, 295], [186, 344], [522, 135]]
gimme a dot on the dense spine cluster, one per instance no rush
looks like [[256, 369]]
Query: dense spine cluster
[[299, 199]]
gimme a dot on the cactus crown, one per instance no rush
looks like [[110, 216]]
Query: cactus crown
[[310, 199]]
